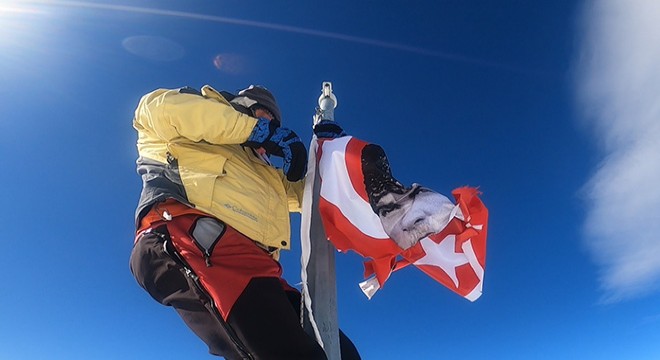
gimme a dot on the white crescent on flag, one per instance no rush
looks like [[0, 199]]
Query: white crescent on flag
[[452, 245]]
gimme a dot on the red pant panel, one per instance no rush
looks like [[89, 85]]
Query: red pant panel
[[235, 260]]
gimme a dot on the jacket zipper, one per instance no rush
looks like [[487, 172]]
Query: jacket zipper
[[207, 252]]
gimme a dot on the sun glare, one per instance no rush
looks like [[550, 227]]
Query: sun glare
[[16, 19], [23, 28], [9, 8]]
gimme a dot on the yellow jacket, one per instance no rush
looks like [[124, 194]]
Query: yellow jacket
[[189, 147]]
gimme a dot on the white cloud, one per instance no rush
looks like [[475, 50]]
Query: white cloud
[[619, 90]]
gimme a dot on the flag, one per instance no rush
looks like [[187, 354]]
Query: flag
[[364, 209]]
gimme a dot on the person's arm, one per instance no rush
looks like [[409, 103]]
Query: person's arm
[[173, 114], [294, 193], [170, 114]]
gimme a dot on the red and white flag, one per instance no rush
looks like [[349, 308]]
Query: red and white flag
[[395, 226]]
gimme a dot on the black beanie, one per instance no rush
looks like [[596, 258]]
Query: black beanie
[[258, 96]]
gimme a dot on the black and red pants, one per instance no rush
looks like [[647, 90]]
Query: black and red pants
[[227, 289]]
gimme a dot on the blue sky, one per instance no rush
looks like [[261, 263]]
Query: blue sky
[[549, 107]]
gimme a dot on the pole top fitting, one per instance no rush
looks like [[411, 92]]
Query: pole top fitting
[[326, 91], [327, 104]]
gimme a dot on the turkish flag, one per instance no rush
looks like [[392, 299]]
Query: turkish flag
[[364, 209]]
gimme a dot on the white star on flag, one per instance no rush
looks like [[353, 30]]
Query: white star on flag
[[443, 256]]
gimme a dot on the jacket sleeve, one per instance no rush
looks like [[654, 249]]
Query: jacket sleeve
[[169, 115], [294, 193]]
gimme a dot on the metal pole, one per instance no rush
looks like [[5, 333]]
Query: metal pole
[[319, 281]]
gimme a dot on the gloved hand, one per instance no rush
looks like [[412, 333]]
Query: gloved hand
[[328, 129], [282, 142]]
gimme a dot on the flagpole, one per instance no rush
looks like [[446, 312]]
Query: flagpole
[[319, 306]]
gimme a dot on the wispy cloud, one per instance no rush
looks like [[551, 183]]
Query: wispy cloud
[[619, 90]]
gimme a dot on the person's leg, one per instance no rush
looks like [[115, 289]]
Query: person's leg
[[165, 279], [268, 324], [218, 336], [238, 314], [347, 348], [244, 282]]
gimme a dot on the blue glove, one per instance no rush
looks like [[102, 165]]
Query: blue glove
[[282, 142], [328, 129]]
